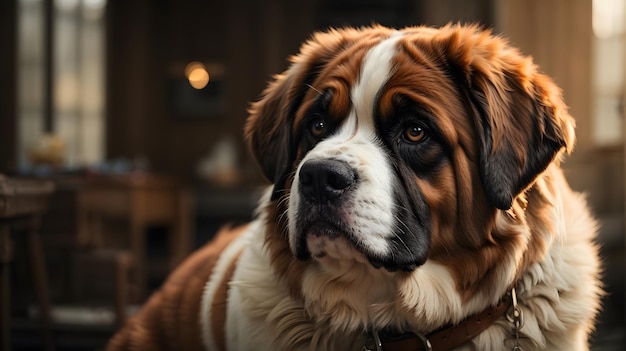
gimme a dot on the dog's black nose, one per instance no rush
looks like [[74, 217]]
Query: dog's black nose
[[325, 180]]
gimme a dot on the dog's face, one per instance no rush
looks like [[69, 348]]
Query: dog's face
[[392, 148]]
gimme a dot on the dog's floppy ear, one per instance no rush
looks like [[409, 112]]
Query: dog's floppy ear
[[521, 120], [268, 128]]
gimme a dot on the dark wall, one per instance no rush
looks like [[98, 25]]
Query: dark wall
[[7, 85]]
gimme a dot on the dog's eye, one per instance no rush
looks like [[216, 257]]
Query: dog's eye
[[415, 133], [317, 127]]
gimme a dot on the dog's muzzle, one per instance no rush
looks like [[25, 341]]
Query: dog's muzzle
[[334, 217]]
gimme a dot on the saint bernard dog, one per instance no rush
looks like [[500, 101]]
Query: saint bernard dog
[[417, 203]]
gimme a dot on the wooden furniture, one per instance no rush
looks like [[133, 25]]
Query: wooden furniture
[[22, 202], [140, 200], [103, 274], [84, 273]]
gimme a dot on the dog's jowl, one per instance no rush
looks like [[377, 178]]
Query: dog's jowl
[[416, 198]]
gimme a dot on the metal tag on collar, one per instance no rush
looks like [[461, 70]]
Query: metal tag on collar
[[425, 341], [515, 316]]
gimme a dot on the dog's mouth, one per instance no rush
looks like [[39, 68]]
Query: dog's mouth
[[323, 239], [325, 242]]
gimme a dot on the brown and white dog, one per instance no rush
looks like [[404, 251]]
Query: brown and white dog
[[417, 199]]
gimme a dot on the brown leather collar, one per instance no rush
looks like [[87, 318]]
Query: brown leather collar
[[450, 336]]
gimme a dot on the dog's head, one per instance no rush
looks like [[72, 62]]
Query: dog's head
[[396, 147]]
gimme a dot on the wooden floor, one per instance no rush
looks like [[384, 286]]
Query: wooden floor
[[70, 337]]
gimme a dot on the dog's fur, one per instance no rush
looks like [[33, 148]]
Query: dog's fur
[[416, 181]]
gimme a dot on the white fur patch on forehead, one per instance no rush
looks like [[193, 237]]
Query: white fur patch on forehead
[[376, 70]]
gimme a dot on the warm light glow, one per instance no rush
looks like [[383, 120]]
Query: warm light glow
[[197, 75], [199, 78], [191, 66]]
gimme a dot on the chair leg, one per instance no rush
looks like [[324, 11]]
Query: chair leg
[[40, 278], [123, 266], [5, 290]]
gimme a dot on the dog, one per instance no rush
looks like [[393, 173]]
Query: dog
[[416, 203]]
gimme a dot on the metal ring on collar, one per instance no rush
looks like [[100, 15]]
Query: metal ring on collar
[[378, 345]]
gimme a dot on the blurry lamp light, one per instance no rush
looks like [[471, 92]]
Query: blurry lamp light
[[197, 75], [199, 78]]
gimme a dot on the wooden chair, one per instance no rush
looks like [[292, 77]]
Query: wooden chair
[[22, 203]]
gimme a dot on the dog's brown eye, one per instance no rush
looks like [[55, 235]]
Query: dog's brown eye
[[318, 128], [414, 133]]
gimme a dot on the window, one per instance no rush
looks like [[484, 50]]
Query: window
[[71, 106], [608, 20]]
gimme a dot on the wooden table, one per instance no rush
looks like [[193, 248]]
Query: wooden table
[[142, 200], [22, 202]]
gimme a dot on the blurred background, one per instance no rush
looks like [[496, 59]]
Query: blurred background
[[121, 137]]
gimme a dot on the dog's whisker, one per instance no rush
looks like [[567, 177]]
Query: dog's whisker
[[282, 200], [313, 88], [396, 205]]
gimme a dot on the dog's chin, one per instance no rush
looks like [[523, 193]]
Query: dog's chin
[[331, 247], [327, 249]]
